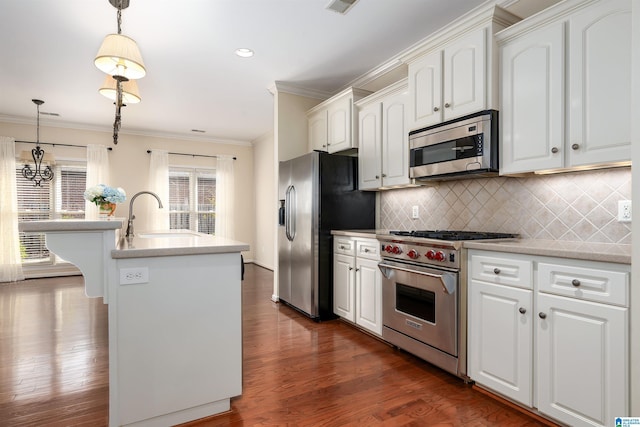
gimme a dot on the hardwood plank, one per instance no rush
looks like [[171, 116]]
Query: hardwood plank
[[54, 368]]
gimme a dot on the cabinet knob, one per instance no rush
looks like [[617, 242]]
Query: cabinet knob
[[554, 150], [357, 269], [366, 249], [341, 247], [447, 105], [542, 315], [436, 109], [496, 270], [384, 175], [575, 282], [350, 268], [575, 146], [377, 176], [324, 145], [522, 310]]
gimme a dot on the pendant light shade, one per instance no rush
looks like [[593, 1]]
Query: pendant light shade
[[119, 56], [130, 93]]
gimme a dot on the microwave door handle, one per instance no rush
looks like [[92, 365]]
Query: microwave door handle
[[448, 281]]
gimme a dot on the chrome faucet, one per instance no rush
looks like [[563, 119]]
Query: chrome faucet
[[132, 216]]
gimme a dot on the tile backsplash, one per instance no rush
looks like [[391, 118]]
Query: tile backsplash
[[576, 206]]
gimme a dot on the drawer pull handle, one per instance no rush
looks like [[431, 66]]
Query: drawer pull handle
[[575, 282], [542, 315], [366, 249], [341, 247], [522, 310], [496, 270]]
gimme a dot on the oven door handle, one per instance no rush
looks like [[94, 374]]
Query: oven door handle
[[448, 280]]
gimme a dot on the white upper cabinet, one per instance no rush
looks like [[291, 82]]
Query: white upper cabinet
[[454, 73], [332, 124], [448, 83], [383, 152], [600, 83], [566, 87]]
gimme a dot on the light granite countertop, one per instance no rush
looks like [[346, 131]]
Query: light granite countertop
[[174, 243], [71, 225], [367, 234], [605, 252]]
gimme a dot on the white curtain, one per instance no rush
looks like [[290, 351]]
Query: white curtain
[[97, 173], [10, 262], [158, 219], [225, 184]]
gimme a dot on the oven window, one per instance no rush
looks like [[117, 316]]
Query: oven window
[[416, 302], [461, 148]]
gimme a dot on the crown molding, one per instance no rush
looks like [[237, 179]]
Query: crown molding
[[293, 89], [109, 130]]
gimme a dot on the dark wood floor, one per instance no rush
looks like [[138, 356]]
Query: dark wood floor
[[54, 368]]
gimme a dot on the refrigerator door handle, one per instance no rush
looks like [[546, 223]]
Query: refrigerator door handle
[[290, 218]]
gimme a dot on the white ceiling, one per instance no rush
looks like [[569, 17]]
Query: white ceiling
[[194, 80]]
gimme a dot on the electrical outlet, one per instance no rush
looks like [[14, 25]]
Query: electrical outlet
[[624, 210], [414, 212], [132, 276]]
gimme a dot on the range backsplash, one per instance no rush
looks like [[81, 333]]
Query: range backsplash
[[577, 206]]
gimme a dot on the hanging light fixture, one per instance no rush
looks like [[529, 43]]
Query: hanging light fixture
[[120, 58], [38, 175]]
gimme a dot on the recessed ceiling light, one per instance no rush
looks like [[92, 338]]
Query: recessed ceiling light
[[243, 52]]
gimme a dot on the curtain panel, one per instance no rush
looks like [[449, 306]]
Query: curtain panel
[[97, 173], [225, 189], [10, 260]]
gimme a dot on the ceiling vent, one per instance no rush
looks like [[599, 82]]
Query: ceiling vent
[[341, 6]]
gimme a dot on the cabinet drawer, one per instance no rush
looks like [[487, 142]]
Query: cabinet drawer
[[344, 245], [591, 284], [369, 249], [506, 269]]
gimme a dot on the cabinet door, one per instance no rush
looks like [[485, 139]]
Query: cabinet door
[[343, 286], [425, 91], [600, 83], [340, 124], [465, 75], [582, 348], [317, 123], [369, 147], [500, 339], [532, 112], [369, 295], [395, 140]]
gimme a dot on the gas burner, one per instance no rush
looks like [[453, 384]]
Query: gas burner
[[453, 234]]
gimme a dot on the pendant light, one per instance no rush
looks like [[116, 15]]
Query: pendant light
[[38, 175], [120, 58]]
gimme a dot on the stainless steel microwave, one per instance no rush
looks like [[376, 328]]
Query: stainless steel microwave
[[459, 148]]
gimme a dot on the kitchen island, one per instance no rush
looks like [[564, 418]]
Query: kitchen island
[[175, 321]]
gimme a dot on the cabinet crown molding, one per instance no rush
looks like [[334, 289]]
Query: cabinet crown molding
[[482, 16], [351, 91], [399, 86], [558, 12]]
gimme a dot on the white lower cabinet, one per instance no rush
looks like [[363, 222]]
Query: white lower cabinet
[[357, 282], [557, 343]]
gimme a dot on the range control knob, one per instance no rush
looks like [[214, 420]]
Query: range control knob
[[431, 254], [397, 250], [440, 256], [388, 249], [413, 254]]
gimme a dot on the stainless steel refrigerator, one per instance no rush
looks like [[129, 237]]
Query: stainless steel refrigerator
[[318, 193]]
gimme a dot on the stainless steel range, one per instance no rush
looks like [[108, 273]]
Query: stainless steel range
[[424, 294]]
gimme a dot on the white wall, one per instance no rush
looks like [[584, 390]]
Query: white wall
[[129, 164], [265, 201]]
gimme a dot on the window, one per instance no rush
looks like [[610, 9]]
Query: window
[[192, 199], [61, 198]]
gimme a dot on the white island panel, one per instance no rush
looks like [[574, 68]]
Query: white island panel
[[177, 355]]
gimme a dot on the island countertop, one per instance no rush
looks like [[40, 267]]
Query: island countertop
[[71, 225], [174, 243]]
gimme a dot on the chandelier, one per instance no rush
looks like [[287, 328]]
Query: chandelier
[[120, 58], [38, 175]]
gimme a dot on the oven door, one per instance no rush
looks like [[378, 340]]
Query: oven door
[[422, 303]]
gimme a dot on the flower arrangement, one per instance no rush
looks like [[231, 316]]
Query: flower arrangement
[[101, 194]]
